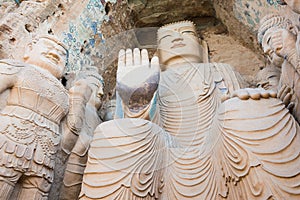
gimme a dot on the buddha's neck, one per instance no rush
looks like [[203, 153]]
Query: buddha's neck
[[179, 61]]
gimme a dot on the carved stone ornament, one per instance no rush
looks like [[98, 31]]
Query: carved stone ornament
[[31, 119]]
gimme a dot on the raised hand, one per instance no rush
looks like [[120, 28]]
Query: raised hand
[[137, 78]]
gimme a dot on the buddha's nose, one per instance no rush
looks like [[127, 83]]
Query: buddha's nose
[[100, 92], [177, 39]]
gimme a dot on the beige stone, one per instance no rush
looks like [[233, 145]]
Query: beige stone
[[31, 119], [78, 156], [185, 143], [278, 39], [268, 78]]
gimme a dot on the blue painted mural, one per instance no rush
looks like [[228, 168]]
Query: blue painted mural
[[84, 33], [251, 11]]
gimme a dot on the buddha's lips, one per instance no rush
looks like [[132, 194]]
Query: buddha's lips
[[177, 45], [52, 57]]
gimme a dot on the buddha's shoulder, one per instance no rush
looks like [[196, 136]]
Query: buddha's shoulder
[[9, 66]]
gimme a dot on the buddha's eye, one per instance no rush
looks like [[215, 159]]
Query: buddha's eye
[[272, 76], [188, 33], [268, 40], [164, 37]]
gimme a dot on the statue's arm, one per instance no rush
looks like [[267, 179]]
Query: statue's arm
[[79, 95], [8, 74], [137, 81]]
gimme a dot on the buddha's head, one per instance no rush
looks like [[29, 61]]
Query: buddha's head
[[269, 24], [95, 82], [49, 53], [178, 43]]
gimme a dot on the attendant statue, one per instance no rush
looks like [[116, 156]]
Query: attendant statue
[[31, 119], [78, 155], [188, 131], [278, 38]]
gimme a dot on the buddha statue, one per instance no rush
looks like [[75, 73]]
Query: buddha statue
[[277, 37], [31, 119], [185, 129]]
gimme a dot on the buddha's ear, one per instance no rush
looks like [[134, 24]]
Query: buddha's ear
[[28, 49], [204, 51], [294, 29]]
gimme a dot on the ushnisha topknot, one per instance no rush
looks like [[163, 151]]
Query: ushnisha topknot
[[268, 22], [181, 23]]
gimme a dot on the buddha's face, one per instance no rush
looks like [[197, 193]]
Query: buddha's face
[[97, 90], [269, 51], [178, 43], [47, 54]]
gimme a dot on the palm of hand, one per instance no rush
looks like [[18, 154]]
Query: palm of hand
[[137, 78], [134, 68]]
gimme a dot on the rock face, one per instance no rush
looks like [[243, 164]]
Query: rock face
[[157, 13], [85, 26]]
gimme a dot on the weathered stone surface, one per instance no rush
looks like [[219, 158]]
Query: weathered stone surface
[[157, 13], [94, 31]]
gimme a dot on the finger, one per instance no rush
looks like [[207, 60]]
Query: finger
[[254, 94], [287, 99], [281, 91], [265, 94], [145, 57], [272, 94], [241, 94], [291, 106], [128, 59], [136, 56], [155, 63], [121, 59], [285, 92], [225, 97]]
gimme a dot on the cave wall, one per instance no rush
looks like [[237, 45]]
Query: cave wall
[[92, 28]]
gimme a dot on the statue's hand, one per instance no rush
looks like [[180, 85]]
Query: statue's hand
[[283, 42], [137, 79], [251, 93], [285, 94]]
